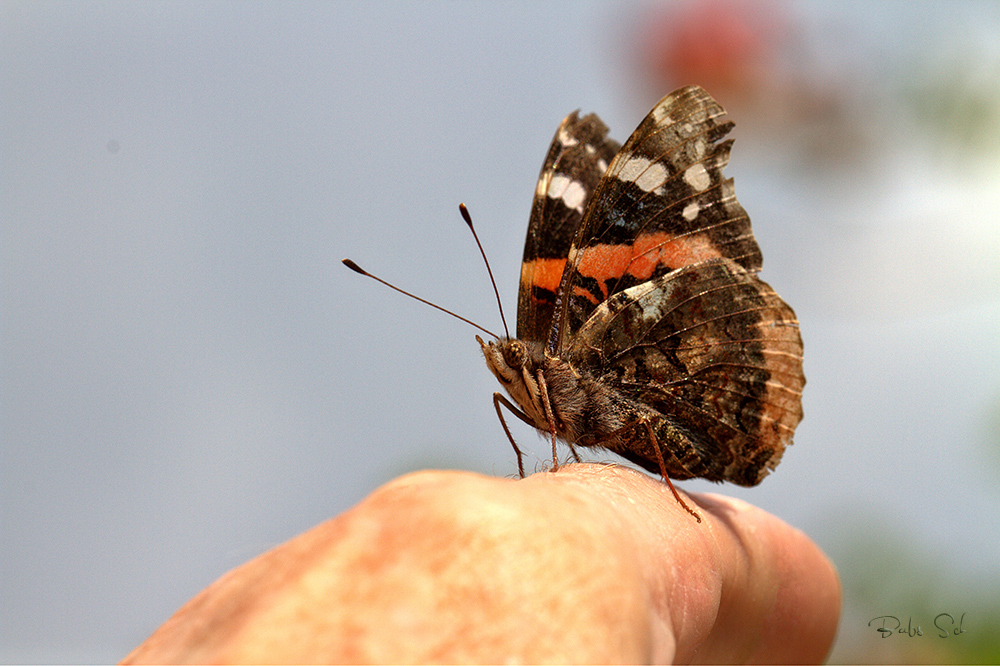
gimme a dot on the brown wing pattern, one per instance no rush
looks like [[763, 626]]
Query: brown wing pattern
[[663, 203], [577, 159], [714, 357]]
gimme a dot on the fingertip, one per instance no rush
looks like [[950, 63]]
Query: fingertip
[[808, 601], [783, 578]]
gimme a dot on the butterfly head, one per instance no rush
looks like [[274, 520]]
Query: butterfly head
[[516, 364]]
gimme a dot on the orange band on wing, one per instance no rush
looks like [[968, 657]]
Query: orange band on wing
[[543, 273], [641, 259], [609, 262]]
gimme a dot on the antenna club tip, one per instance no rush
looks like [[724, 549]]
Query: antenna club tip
[[353, 266], [465, 213]]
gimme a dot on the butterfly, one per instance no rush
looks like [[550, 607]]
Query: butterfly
[[642, 327]]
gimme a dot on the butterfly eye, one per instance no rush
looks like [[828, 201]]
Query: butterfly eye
[[515, 354]]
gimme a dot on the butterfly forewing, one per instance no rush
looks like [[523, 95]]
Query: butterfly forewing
[[577, 159], [662, 204]]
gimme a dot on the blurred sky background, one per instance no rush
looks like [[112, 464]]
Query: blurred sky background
[[190, 377]]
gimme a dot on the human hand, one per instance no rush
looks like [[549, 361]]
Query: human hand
[[593, 563]]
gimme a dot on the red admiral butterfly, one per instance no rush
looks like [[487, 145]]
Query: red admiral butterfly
[[642, 327]]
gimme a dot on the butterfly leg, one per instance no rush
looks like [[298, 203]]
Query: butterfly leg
[[663, 469], [573, 452], [659, 458], [498, 400], [543, 389]]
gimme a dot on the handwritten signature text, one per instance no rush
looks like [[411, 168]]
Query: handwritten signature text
[[944, 623]]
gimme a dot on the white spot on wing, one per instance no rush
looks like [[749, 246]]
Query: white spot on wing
[[575, 195], [697, 177], [652, 310], [691, 211], [652, 307], [646, 174], [632, 168], [567, 140], [652, 177], [661, 114], [572, 192]]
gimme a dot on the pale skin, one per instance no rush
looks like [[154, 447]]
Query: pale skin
[[593, 563]]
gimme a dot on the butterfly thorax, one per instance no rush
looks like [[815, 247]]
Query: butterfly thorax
[[578, 404]]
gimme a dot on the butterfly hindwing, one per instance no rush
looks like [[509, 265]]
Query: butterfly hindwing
[[577, 159], [715, 356]]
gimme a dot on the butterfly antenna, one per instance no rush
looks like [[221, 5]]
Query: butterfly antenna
[[357, 269], [468, 220]]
